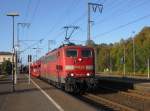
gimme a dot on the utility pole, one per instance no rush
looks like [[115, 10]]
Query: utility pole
[[13, 15], [18, 48], [110, 62], [124, 64], [49, 43], [18, 30], [95, 7], [133, 56], [89, 24]]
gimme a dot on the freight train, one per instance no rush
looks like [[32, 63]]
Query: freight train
[[70, 67]]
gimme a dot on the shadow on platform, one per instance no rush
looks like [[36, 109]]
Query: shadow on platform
[[19, 91]]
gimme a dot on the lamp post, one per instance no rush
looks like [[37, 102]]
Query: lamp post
[[13, 15]]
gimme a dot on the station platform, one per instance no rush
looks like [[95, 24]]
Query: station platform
[[37, 96], [26, 97], [139, 83]]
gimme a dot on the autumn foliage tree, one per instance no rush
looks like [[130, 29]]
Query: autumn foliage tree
[[109, 56]]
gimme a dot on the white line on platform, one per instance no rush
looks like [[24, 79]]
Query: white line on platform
[[48, 97]]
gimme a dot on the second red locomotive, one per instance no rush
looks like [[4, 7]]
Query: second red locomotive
[[70, 67]]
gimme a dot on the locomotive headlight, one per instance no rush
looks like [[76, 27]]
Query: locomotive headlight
[[72, 74], [88, 74], [79, 59]]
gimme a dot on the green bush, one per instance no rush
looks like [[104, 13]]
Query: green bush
[[6, 67]]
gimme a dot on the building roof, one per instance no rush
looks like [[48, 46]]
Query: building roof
[[5, 53]]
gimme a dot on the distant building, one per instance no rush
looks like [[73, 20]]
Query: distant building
[[5, 56]]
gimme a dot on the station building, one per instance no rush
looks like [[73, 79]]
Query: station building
[[5, 56]]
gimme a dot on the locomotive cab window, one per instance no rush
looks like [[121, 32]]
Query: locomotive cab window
[[71, 53], [86, 53]]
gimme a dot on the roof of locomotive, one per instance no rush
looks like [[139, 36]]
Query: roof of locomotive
[[71, 45]]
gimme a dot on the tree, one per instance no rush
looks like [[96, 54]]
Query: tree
[[110, 55], [90, 43], [6, 67]]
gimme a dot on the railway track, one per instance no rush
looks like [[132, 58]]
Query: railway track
[[145, 94], [130, 100], [131, 93], [114, 106]]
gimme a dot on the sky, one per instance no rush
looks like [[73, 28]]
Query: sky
[[119, 19]]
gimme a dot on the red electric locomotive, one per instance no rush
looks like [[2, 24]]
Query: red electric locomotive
[[70, 67], [35, 69]]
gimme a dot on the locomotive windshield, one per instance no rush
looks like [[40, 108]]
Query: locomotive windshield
[[86, 53], [71, 53]]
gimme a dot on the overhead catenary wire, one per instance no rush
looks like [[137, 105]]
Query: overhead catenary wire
[[32, 17], [53, 28], [74, 5], [26, 18], [77, 20], [122, 26], [112, 8], [80, 18], [35, 11], [27, 10], [119, 14], [55, 25], [39, 41]]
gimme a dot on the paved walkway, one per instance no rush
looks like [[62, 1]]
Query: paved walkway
[[140, 83], [25, 98]]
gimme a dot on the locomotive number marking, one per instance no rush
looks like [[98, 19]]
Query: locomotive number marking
[[80, 67]]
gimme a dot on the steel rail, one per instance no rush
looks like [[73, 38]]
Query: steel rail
[[108, 103]]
